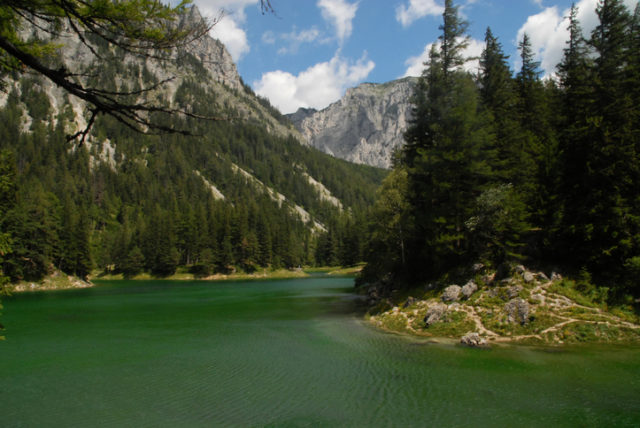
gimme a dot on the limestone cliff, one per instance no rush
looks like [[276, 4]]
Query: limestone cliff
[[365, 126]]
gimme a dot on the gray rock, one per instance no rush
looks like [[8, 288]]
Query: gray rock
[[537, 297], [528, 277], [451, 293], [473, 340], [468, 289], [477, 267], [364, 126], [517, 311], [540, 276], [520, 269], [555, 276], [514, 291], [435, 313]]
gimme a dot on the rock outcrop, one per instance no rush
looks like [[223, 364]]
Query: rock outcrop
[[451, 293], [435, 313], [517, 311], [473, 340], [365, 126]]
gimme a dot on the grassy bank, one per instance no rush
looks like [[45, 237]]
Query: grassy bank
[[526, 308], [182, 275]]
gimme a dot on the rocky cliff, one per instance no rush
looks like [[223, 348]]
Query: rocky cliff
[[365, 126]]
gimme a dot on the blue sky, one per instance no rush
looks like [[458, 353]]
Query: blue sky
[[311, 51]]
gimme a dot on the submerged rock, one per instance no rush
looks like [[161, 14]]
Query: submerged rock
[[435, 313], [517, 311], [473, 340], [451, 293]]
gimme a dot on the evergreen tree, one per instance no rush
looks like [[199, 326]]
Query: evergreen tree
[[612, 225], [448, 155]]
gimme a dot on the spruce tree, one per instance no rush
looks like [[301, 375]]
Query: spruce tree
[[448, 155]]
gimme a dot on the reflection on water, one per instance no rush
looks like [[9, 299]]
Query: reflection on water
[[280, 353]]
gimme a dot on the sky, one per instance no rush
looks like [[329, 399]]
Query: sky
[[309, 52]]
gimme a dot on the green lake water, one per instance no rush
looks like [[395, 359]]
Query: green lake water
[[280, 353]]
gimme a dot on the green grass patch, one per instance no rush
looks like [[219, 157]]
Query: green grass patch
[[568, 289], [579, 332], [393, 321], [453, 324], [496, 321], [347, 271]]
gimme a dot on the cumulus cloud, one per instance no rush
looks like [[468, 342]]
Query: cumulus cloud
[[548, 33], [316, 87], [340, 14], [415, 64], [229, 29], [417, 9]]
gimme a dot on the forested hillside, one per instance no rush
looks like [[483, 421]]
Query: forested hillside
[[503, 167], [238, 192]]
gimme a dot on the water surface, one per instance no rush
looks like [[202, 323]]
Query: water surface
[[280, 353]]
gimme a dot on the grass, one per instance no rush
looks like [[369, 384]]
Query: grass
[[454, 324], [186, 276], [579, 332]]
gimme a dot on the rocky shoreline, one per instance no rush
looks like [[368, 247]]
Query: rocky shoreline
[[524, 307], [55, 281]]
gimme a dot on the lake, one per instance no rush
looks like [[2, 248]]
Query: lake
[[291, 353]]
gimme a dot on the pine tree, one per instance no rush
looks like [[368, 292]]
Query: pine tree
[[453, 40], [613, 225], [448, 155]]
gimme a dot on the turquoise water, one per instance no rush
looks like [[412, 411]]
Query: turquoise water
[[280, 353]]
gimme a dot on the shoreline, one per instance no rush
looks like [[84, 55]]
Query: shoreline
[[526, 309], [61, 281]]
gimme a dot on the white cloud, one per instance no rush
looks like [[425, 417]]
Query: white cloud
[[416, 10], [229, 29], [548, 33], [233, 37], [340, 14], [296, 38], [415, 64], [316, 87]]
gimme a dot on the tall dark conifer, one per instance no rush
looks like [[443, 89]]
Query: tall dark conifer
[[447, 151], [612, 227]]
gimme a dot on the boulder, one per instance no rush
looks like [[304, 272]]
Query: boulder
[[468, 289], [477, 267], [473, 340], [435, 313], [451, 293], [528, 277], [520, 269], [517, 311]]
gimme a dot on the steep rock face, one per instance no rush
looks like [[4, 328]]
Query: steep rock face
[[213, 55], [365, 126]]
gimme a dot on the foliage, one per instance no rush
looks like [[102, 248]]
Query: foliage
[[126, 203], [503, 166]]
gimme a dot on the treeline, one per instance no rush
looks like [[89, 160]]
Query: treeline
[[502, 168], [126, 203]]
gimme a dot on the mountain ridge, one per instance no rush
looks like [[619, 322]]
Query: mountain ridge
[[365, 126]]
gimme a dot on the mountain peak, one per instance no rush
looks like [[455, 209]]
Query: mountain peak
[[365, 126]]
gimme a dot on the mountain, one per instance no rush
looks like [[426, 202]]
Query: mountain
[[365, 126], [240, 192]]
